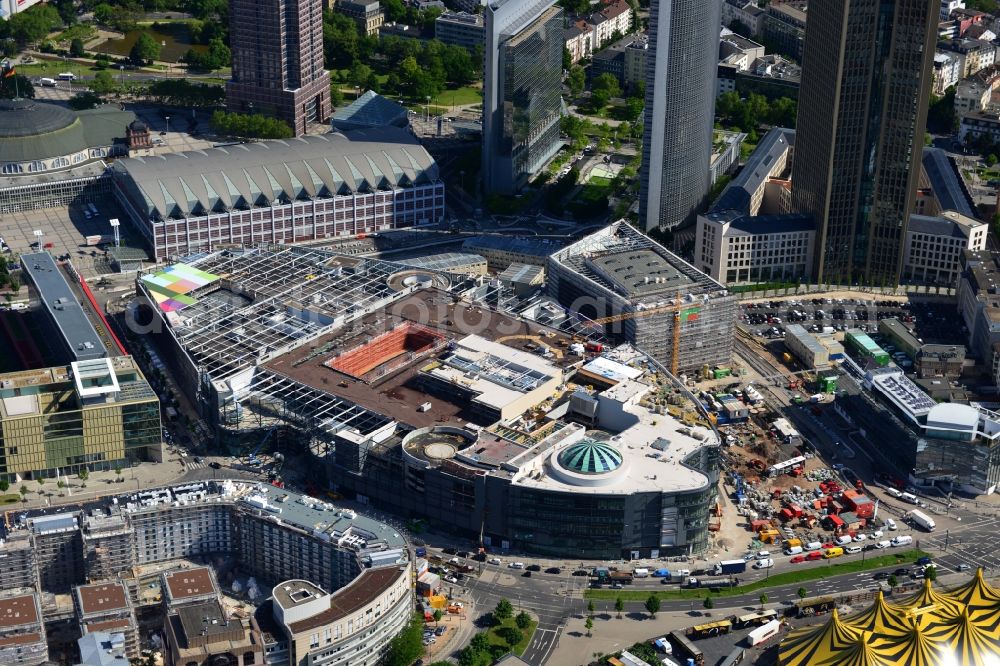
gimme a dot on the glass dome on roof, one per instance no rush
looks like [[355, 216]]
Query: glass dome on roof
[[590, 457]]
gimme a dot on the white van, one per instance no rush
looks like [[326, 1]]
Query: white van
[[882, 544], [640, 573], [763, 554], [891, 524], [520, 565], [902, 540], [843, 540], [813, 545], [794, 550], [852, 550], [67, 76], [47, 82], [893, 492]]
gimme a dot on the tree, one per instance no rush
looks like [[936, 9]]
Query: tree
[[653, 605], [619, 606], [575, 80], [480, 643], [523, 620], [608, 83], [510, 635], [103, 83], [18, 85], [247, 126], [930, 573], [4, 485], [589, 624], [24, 493], [118, 472], [336, 95], [60, 484], [503, 611], [763, 600], [76, 49], [803, 593], [567, 59], [83, 475], [438, 614], [892, 581], [590, 607], [33, 24], [407, 646], [84, 100], [145, 50], [708, 603], [41, 485]]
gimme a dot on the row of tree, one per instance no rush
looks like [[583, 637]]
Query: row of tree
[[755, 110], [250, 126]]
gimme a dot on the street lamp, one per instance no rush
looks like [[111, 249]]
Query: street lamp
[[121, 68], [39, 235], [114, 226], [163, 45], [168, 123], [427, 110]]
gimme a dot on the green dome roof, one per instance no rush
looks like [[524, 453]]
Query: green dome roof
[[591, 457]]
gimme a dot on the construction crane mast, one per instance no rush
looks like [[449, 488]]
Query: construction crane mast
[[675, 307]]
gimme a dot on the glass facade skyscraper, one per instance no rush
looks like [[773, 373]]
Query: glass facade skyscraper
[[522, 100], [680, 110], [867, 69]]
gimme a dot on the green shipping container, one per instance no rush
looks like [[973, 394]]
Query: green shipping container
[[719, 373], [828, 384]]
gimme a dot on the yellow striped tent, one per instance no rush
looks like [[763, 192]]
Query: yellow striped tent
[[960, 627]]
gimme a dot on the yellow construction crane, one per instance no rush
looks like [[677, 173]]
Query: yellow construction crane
[[676, 307]]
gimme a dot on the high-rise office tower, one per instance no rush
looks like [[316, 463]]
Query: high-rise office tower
[[680, 110], [866, 75], [278, 70], [522, 91]]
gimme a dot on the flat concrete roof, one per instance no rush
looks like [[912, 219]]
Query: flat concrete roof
[[189, 583], [63, 307], [102, 597]]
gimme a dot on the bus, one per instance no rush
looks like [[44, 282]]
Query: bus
[[685, 648], [761, 634], [812, 606], [709, 629], [754, 619]]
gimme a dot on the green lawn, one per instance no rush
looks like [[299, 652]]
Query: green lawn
[[495, 639], [10, 499], [787, 578], [79, 31], [52, 68]]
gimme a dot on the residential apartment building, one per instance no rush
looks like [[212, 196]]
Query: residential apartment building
[[106, 607], [972, 95], [861, 122], [746, 12], [680, 111], [461, 29], [734, 248], [277, 48], [636, 60], [522, 91], [91, 415], [204, 633], [738, 51], [976, 54], [18, 567], [625, 60], [947, 70], [979, 124], [316, 622], [614, 18], [979, 304], [772, 76], [948, 6], [58, 542], [784, 26], [579, 40], [22, 631], [368, 15], [934, 246]]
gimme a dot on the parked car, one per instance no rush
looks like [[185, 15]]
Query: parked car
[[534, 567], [766, 563], [578, 572], [553, 570], [797, 559]]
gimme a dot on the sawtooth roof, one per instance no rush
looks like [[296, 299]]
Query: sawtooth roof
[[198, 182]]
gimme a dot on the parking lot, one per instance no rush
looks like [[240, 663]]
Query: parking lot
[[930, 320]]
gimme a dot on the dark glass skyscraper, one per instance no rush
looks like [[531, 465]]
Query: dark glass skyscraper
[[522, 91], [866, 76], [278, 70], [680, 110]]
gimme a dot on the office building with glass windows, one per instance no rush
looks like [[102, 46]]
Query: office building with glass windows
[[522, 91], [681, 68], [94, 414], [866, 76]]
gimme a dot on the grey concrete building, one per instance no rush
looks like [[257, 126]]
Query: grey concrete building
[[461, 29], [862, 112], [522, 91], [680, 111]]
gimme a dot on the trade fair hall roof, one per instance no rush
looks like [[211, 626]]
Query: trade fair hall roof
[[960, 627], [197, 182], [33, 130]]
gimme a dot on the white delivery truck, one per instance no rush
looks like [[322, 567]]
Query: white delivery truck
[[921, 519], [901, 540]]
